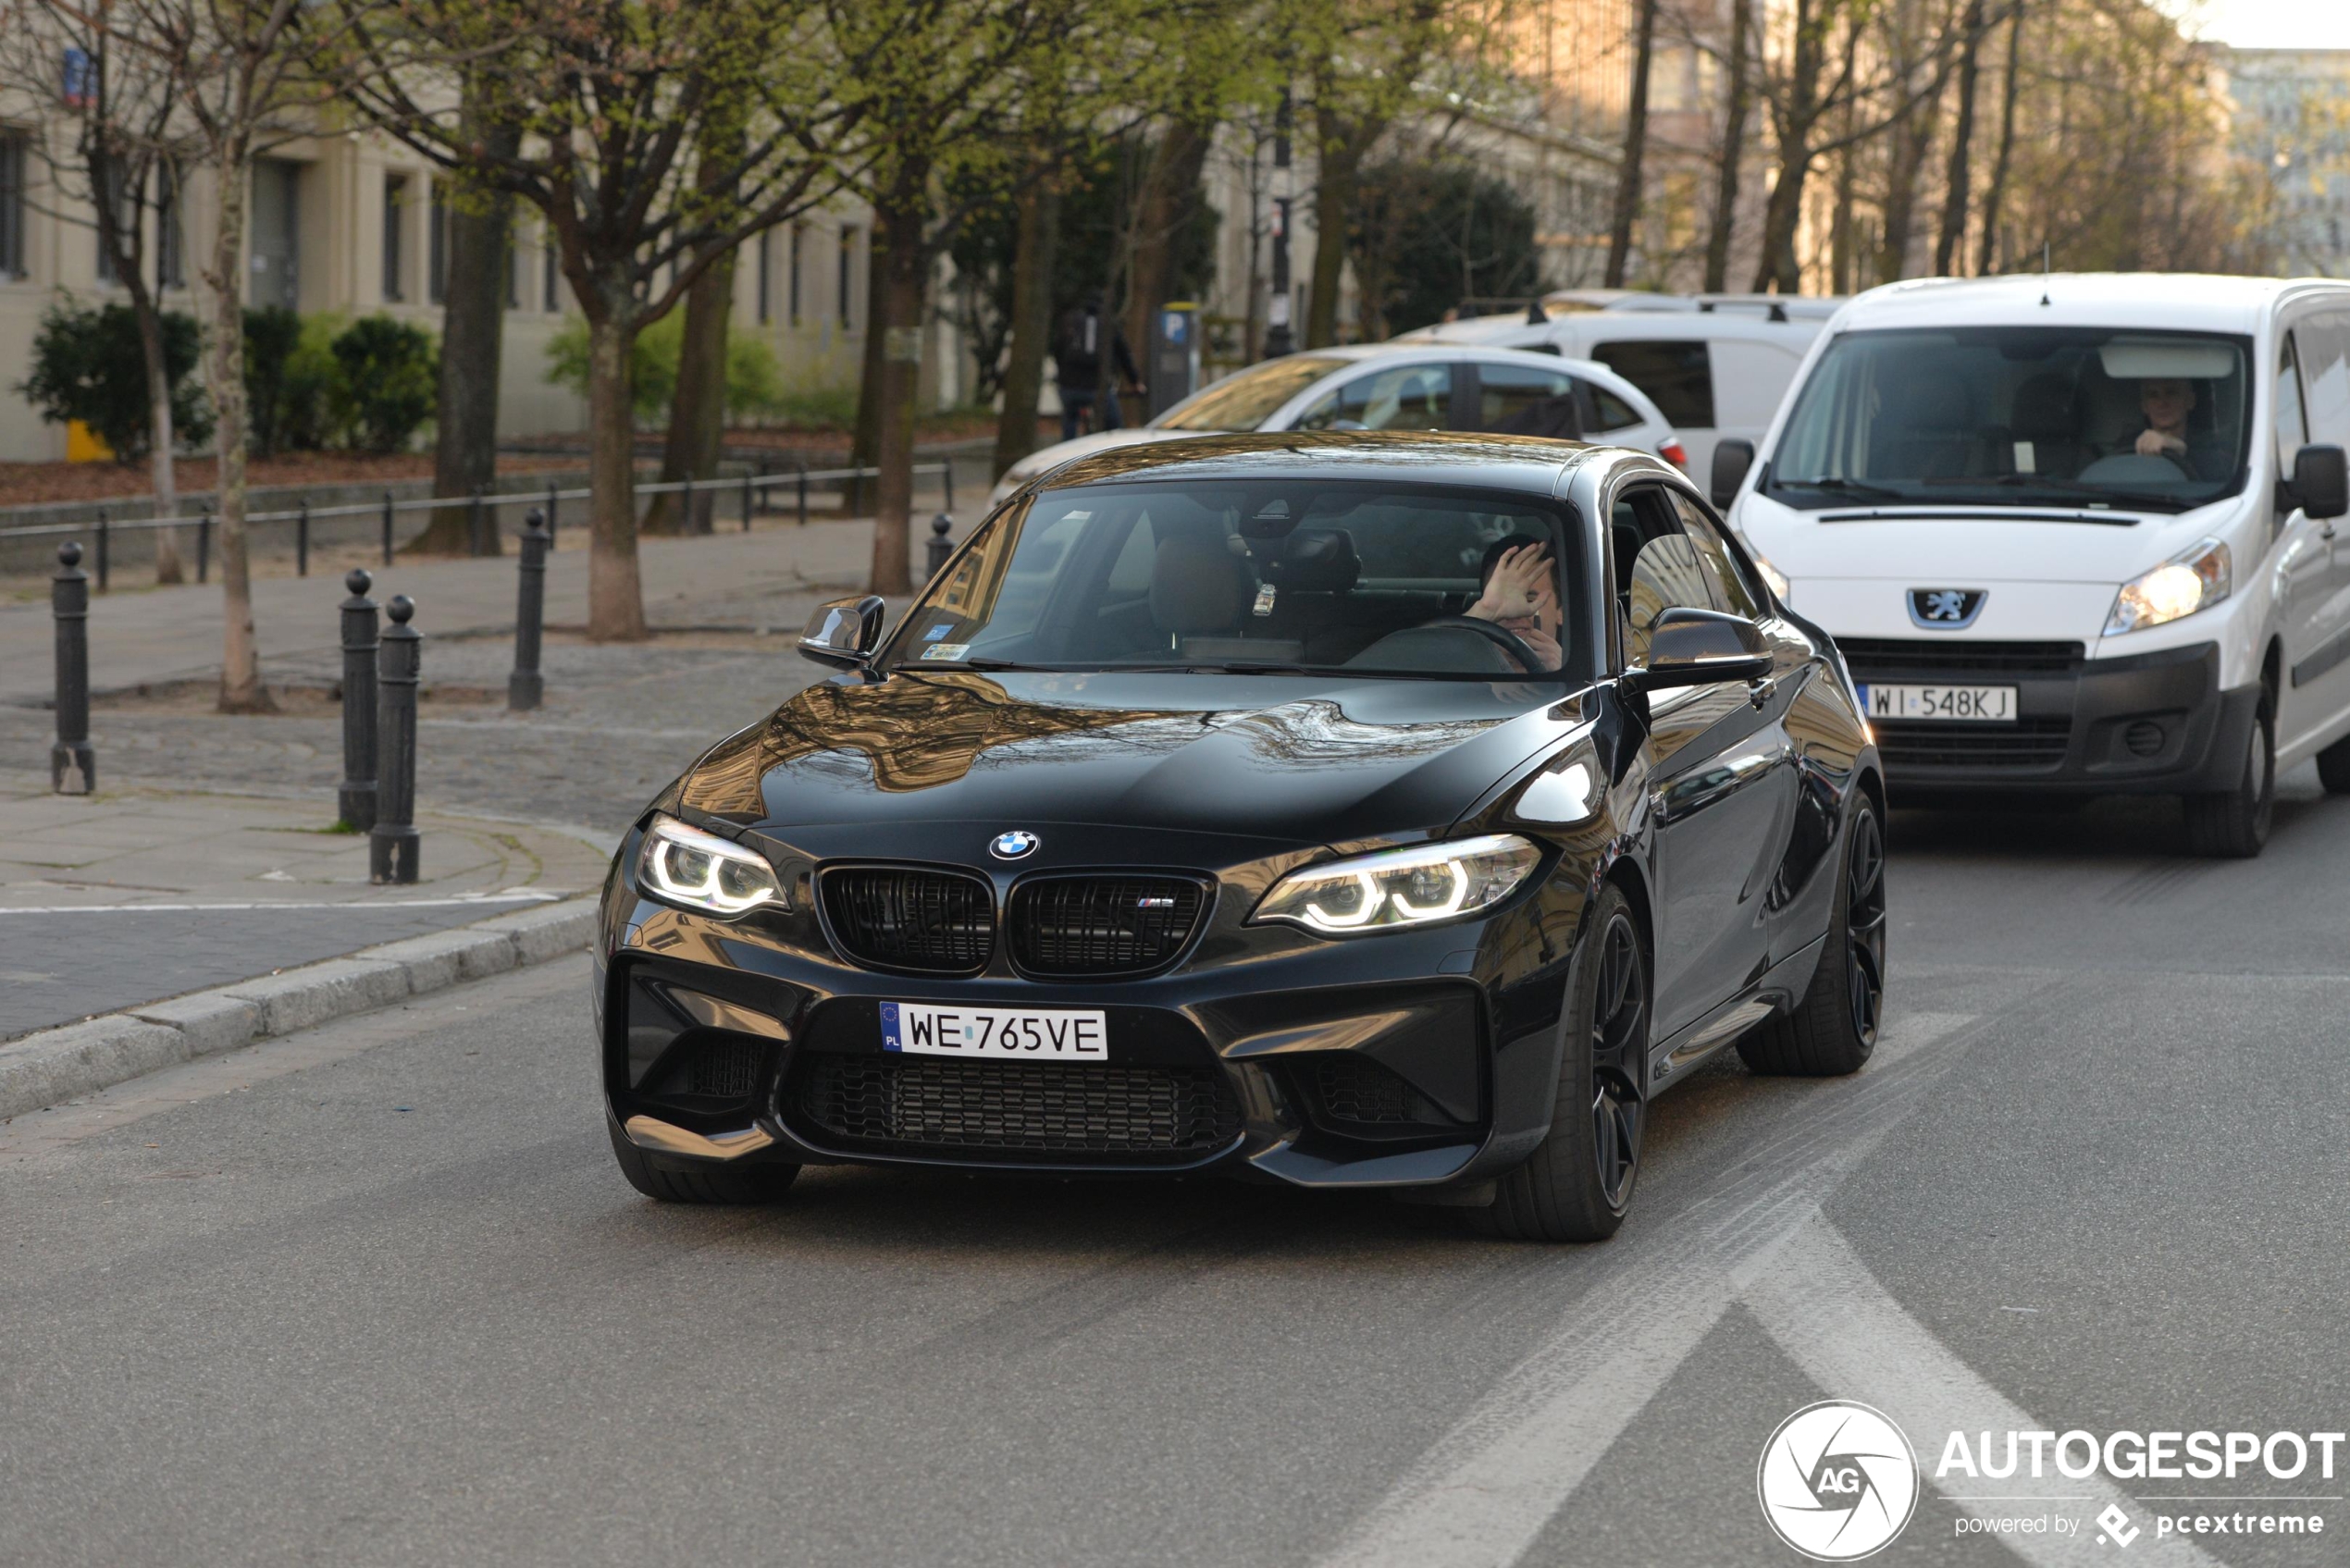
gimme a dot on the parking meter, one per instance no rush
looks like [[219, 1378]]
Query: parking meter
[[1174, 361]]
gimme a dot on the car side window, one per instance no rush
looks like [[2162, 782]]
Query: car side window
[[1609, 412], [1677, 559], [2293, 425], [1725, 578], [1676, 375], [1409, 397], [1517, 400]]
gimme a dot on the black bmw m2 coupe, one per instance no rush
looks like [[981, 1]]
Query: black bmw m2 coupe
[[1338, 810]]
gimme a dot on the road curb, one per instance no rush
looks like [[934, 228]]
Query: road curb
[[62, 1063]]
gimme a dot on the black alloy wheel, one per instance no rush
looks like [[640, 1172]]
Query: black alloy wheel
[[1577, 1186], [1833, 1029]]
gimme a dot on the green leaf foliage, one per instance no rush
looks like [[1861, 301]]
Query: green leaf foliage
[[754, 381], [89, 364], [389, 381]]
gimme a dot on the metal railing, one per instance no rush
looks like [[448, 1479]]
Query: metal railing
[[756, 490]]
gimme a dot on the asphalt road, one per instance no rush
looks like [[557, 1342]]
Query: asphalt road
[[376, 1294]]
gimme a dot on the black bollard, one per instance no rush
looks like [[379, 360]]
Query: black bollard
[[391, 843], [387, 527], [524, 687], [203, 543], [476, 525], [73, 768], [302, 537], [358, 796], [554, 517], [105, 556], [940, 546]]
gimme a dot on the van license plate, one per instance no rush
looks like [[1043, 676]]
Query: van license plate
[[1991, 705], [1029, 1034]]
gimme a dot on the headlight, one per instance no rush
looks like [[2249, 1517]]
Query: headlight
[[702, 870], [2178, 587], [1780, 588], [1401, 887]]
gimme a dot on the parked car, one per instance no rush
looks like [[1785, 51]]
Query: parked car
[[1717, 366], [1202, 815], [2078, 532], [1377, 388]]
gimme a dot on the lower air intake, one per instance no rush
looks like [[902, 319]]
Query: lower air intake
[[1015, 1110]]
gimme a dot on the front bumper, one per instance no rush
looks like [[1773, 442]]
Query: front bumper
[[1411, 1058], [2150, 723]]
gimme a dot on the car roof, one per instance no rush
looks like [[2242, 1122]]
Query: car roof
[[2172, 301], [1531, 465]]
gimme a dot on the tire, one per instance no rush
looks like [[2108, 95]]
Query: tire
[[1833, 1031], [751, 1184], [2233, 823], [2333, 767], [1577, 1185]]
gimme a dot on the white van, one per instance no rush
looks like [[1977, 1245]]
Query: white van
[[1715, 367], [2076, 533]]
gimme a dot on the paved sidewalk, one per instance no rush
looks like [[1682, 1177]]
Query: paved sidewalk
[[122, 899]]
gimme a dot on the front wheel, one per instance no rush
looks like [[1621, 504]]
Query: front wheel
[[1833, 1029], [2333, 767], [1577, 1185], [2233, 823]]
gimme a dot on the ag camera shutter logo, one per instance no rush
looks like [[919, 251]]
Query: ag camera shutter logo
[[1838, 1481]]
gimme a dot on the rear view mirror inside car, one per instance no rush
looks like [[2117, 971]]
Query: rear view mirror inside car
[[2159, 359]]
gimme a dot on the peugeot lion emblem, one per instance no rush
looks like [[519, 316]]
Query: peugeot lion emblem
[[1945, 610], [1014, 845]]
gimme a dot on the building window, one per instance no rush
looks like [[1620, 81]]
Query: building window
[[12, 149], [171, 254], [848, 277], [395, 221], [766, 276], [795, 274], [437, 248], [551, 266]]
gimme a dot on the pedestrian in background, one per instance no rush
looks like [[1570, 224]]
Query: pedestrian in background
[[1078, 349]]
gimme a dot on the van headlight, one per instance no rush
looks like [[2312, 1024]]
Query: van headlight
[[1780, 588], [2177, 589], [1401, 887], [701, 870]]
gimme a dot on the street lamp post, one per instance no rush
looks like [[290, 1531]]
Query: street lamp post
[[1279, 338]]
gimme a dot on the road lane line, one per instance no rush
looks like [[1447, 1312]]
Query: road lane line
[[1828, 1313]]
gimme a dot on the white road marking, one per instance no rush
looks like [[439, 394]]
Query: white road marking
[[1827, 1310], [461, 900]]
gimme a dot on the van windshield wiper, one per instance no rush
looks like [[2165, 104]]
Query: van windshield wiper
[[1839, 487], [2075, 488]]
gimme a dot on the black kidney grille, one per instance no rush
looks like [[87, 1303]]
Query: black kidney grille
[[1009, 1109], [1076, 926], [2026, 744], [902, 919], [1884, 658]]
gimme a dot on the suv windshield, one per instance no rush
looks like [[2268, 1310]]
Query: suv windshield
[[1266, 576], [1245, 398], [2078, 417]]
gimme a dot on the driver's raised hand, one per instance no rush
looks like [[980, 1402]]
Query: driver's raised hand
[[1519, 580]]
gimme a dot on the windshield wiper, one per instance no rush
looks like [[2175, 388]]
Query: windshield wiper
[[1839, 487], [2075, 488]]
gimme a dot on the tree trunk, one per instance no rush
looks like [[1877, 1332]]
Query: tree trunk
[[1996, 191], [1949, 249], [864, 441], [1636, 136], [1778, 267], [161, 463], [899, 324], [615, 594], [473, 327], [1031, 330], [1336, 181], [1168, 194], [1726, 191], [241, 688], [1911, 142], [698, 415]]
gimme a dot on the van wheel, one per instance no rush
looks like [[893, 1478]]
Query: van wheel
[[2333, 767], [2233, 823]]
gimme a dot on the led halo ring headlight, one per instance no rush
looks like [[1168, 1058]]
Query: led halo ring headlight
[[683, 865], [1417, 886], [2195, 580]]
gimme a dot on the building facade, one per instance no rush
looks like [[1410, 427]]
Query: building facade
[[2291, 119]]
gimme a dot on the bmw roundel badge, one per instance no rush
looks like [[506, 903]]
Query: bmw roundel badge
[[1014, 845]]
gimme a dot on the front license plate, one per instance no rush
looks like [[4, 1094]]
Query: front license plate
[[1985, 704], [1031, 1033]]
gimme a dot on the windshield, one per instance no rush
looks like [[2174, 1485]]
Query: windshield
[[2079, 416], [1245, 398], [1267, 576]]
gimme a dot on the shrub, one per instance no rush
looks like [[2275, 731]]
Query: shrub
[[89, 364], [389, 381], [271, 335], [754, 381], [313, 411]]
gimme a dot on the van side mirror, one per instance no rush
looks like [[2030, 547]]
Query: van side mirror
[[2321, 482], [1697, 647], [844, 632], [1731, 460]]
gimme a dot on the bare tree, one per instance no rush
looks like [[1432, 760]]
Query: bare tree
[[1726, 190], [1636, 136], [1950, 247], [1994, 193], [473, 323]]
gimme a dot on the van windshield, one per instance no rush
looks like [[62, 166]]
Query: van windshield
[[2007, 415]]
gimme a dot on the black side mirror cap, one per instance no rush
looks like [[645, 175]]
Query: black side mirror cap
[[2321, 482], [1731, 460], [843, 633], [1696, 647]]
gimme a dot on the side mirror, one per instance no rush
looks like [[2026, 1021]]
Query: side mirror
[[844, 632], [1731, 460], [1698, 648], [2321, 482]]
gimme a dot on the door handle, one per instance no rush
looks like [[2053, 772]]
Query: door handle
[[1758, 692]]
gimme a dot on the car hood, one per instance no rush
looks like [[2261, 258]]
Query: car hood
[[1035, 463], [1291, 760], [1971, 543]]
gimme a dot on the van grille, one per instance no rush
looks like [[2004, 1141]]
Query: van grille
[[1908, 745], [1883, 657]]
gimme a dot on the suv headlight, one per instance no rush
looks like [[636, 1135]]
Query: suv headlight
[[701, 870], [2180, 586], [1401, 887]]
